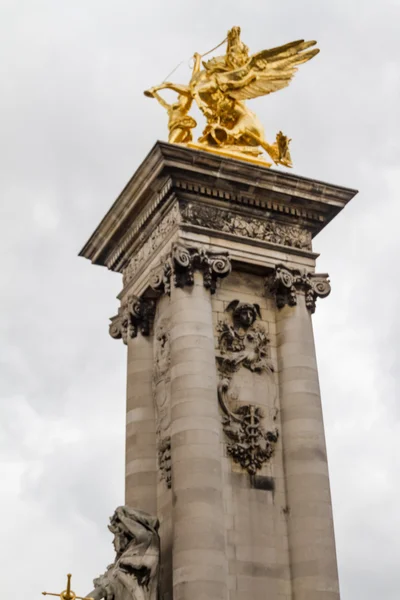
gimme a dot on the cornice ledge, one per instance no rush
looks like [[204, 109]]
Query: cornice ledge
[[166, 162], [105, 235], [241, 171]]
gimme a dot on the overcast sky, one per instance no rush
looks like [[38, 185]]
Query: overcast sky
[[74, 127]]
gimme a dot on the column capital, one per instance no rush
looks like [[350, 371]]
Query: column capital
[[135, 314], [285, 284], [178, 266]]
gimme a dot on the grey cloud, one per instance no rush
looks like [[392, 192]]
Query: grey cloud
[[72, 83]]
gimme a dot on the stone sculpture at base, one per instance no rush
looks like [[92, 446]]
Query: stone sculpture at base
[[134, 573]]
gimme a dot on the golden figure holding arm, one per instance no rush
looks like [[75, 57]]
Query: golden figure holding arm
[[220, 89], [180, 124]]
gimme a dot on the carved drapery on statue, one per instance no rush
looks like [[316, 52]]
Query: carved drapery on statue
[[134, 315], [134, 573], [178, 268], [244, 343], [285, 284]]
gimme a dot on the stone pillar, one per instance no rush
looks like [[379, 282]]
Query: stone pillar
[[141, 455], [198, 555], [133, 324], [178, 199], [309, 510]]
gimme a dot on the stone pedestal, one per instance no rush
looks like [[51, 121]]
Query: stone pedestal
[[225, 438]]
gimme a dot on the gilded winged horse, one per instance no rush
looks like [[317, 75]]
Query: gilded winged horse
[[220, 89]]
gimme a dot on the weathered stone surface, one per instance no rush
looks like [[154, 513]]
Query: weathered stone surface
[[134, 573], [234, 468]]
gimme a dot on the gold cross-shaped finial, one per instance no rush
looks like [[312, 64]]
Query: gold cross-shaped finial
[[67, 594]]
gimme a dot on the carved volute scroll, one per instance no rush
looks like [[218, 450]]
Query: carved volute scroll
[[178, 267], [135, 315], [244, 344], [286, 283], [134, 573]]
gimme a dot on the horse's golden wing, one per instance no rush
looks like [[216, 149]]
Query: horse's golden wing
[[267, 71]]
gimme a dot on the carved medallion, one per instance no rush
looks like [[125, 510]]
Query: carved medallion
[[244, 343]]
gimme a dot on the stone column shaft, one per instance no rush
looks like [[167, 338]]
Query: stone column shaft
[[199, 559], [310, 524], [141, 461]]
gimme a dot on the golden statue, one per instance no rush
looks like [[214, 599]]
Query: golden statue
[[220, 89]]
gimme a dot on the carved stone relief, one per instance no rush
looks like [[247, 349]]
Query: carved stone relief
[[164, 460], [286, 283], [243, 343], [135, 314], [155, 240], [250, 227], [162, 396], [178, 267], [134, 573]]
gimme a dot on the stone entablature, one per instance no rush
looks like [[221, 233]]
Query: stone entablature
[[266, 205]]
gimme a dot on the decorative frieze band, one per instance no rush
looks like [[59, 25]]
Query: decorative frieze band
[[286, 283], [219, 219], [250, 227], [178, 268], [135, 314]]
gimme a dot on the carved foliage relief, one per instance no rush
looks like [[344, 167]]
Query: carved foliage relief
[[286, 283], [243, 343], [155, 240], [177, 269], [245, 226], [162, 397], [164, 460]]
